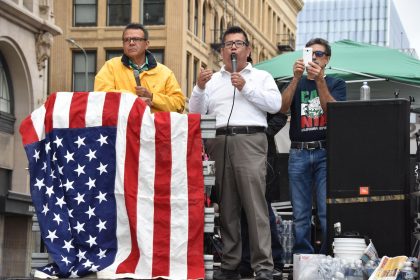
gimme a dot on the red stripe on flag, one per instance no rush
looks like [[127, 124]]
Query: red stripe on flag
[[49, 110], [78, 110], [162, 199], [195, 177], [131, 183], [111, 107], [28, 132]]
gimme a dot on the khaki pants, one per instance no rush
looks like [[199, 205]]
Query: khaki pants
[[243, 186]]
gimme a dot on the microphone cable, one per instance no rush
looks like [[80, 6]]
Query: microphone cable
[[233, 58]]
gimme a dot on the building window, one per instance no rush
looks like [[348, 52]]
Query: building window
[[153, 12], [188, 74], [203, 25], [196, 17], [189, 15], [84, 12], [195, 73], [79, 72], [113, 53], [7, 119], [159, 55], [119, 12]]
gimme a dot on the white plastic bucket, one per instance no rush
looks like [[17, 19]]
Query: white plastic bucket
[[349, 248]]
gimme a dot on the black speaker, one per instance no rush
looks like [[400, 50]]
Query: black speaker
[[278, 178], [368, 176]]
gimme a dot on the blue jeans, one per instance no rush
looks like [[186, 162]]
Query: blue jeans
[[308, 169]]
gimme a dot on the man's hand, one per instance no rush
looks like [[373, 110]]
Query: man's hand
[[315, 70], [298, 68], [203, 77], [147, 100], [143, 92], [237, 80]]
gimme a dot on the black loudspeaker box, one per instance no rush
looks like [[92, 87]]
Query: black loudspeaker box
[[368, 176]]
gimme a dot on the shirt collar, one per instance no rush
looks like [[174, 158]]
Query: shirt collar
[[141, 68], [248, 67]]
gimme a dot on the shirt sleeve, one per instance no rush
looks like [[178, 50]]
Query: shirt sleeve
[[262, 91], [339, 91], [198, 101]]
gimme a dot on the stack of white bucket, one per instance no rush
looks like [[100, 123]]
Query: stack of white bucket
[[349, 248]]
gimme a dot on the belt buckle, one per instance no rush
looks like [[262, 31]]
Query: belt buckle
[[307, 144]]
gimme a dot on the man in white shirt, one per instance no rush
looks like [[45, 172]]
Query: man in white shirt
[[239, 96]]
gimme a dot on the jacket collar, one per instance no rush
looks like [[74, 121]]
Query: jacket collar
[[150, 59]]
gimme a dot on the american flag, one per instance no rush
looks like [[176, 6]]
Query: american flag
[[117, 190]]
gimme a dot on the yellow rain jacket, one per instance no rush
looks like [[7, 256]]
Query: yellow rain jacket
[[115, 75]]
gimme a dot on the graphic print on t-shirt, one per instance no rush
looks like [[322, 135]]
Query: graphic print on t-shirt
[[312, 115]]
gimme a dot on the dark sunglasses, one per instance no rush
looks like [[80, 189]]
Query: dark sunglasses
[[319, 53]]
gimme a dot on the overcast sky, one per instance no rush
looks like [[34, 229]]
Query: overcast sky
[[409, 11]]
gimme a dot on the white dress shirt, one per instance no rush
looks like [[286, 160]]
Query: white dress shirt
[[259, 95]]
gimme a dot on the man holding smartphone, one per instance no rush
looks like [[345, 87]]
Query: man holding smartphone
[[307, 96]]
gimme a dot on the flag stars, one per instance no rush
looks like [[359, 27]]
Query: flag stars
[[68, 185], [79, 198], [87, 263], [60, 169], [80, 141], [80, 170], [102, 139], [47, 147], [57, 218], [36, 155], [91, 241], [44, 167], [58, 142], [51, 235], [70, 211], [91, 212], [69, 156], [101, 254], [52, 175], [65, 260], [91, 183], [91, 155], [102, 168], [101, 225], [101, 197], [74, 274], [45, 209], [54, 158], [94, 268], [81, 255], [60, 202], [49, 191], [68, 245], [39, 183]]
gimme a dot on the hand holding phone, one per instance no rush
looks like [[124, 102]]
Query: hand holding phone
[[307, 56]]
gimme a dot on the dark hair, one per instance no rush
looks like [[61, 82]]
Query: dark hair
[[322, 42], [137, 26], [234, 30]]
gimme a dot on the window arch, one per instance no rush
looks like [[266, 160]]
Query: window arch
[[6, 98]]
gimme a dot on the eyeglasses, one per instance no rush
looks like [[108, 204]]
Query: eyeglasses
[[237, 43], [134, 39], [319, 53]]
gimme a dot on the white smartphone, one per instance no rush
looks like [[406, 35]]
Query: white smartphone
[[307, 55]]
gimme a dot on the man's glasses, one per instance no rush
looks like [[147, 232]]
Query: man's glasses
[[319, 53], [237, 43], [134, 39]]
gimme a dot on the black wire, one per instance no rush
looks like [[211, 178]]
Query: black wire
[[225, 149]]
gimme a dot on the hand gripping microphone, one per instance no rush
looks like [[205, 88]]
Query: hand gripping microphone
[[137, 77], [234, 62]]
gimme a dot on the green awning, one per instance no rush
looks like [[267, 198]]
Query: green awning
[[354, 61]]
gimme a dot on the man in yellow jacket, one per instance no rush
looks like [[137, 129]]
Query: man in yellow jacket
[[138, 72]]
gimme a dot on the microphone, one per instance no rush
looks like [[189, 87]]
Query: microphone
[[234, 63], [137, 77]]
